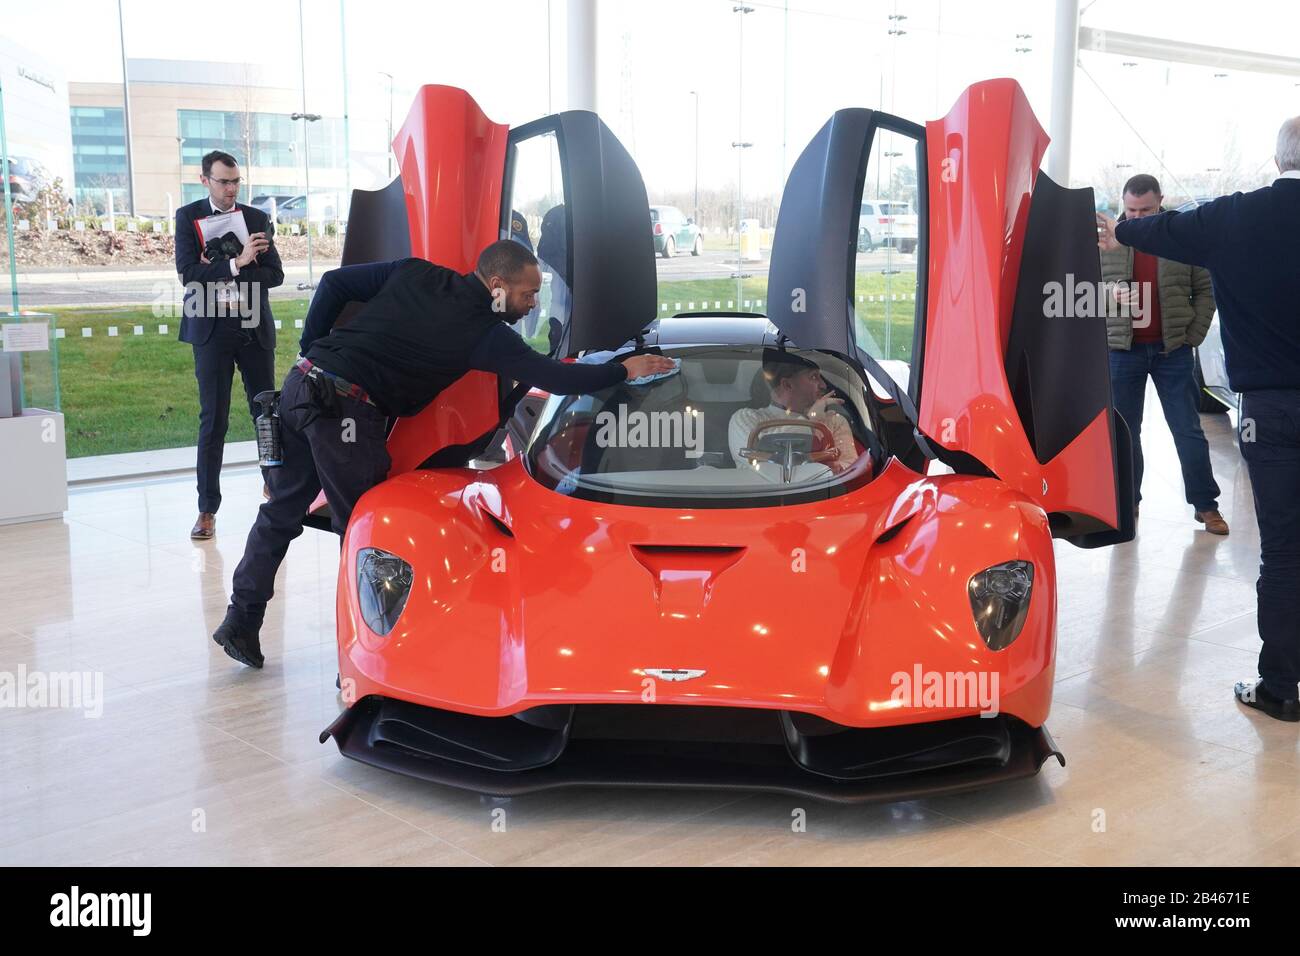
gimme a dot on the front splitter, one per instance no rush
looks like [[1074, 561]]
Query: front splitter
[[677, 765]]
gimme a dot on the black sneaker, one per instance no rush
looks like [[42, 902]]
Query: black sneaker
[[237, 636], [1255, 694]]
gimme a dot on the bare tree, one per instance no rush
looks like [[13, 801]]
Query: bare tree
[[1231, 173], [93, 203], [1108, 184], [1220, 176], [50, 202], [718, 206]]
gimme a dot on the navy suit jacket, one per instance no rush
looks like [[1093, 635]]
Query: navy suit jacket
[[197, 317]]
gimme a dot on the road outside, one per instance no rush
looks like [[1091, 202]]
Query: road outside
[[97, 287]]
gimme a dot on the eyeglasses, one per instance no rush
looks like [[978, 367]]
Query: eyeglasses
[[226, 182]]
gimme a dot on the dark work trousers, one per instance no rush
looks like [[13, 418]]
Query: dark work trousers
[[347, 456], [1269, 436], [1176, 386], [214, 367]]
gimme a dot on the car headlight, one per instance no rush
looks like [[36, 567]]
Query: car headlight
[[999, 599], [383, 583]]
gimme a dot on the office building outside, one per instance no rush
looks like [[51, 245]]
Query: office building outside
[[181, 110]]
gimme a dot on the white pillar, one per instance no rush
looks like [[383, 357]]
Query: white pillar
[[582, 54], [1065, 51]]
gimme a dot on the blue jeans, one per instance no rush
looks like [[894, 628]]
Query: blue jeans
[[1269, 435], [1172, 373]]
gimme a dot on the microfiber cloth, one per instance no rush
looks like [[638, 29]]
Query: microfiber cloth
[[647, 379], [599, 358]]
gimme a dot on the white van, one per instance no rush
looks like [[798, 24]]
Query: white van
[[887, 222]]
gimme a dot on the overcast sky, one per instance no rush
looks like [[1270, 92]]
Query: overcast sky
[[798, 65]]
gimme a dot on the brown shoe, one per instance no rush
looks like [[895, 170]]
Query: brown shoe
[[1213, 522], [205, 527]]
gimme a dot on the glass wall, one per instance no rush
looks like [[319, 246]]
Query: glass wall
[[885, 304], [715, 99]]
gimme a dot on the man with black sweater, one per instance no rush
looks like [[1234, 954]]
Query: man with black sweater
[[1250, 242], [421, 328]]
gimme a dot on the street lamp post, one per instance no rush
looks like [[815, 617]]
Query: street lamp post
[[389, 149], [306, 169], [347, 133], [308, 119], [696, 94], [126, 115], [740, 146]]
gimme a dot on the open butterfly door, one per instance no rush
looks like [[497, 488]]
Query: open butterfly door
[[996, 323], [562, 185], [577, 200]]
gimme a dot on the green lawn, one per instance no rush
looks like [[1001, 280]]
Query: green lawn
[[888, 322], [137, 392]]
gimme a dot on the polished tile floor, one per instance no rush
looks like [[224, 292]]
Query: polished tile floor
[[198, 761]]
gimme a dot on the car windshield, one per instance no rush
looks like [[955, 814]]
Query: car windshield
[[736, 426]]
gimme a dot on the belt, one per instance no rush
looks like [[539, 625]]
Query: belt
[[342, 386]]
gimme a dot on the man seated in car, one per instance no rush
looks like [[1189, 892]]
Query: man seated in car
[[799, 393]]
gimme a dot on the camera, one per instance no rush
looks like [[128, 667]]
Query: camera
[[226, 246]]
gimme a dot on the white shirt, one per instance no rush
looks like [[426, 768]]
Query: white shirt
[[1289, 174], [742, 426], [218, 211]]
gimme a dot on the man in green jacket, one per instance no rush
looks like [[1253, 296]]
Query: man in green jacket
[[1165, 308]]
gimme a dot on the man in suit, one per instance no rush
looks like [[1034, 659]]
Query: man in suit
[[1251, 246], [226, 318]]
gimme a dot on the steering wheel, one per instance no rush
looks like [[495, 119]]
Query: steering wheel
[[823, 450]]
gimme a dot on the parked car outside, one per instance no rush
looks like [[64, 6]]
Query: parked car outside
[[887, 222], [674, 232]]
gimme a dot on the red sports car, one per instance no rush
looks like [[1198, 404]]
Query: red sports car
[[816, 558]]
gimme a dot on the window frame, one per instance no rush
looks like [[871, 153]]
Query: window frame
[[917, 132]]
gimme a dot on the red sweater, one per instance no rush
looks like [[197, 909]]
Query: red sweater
[[1145, 273]]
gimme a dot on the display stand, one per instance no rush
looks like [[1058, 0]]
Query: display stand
[[33, 448]]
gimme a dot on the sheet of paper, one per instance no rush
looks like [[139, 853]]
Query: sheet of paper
[[213, 227], [26, 337]]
